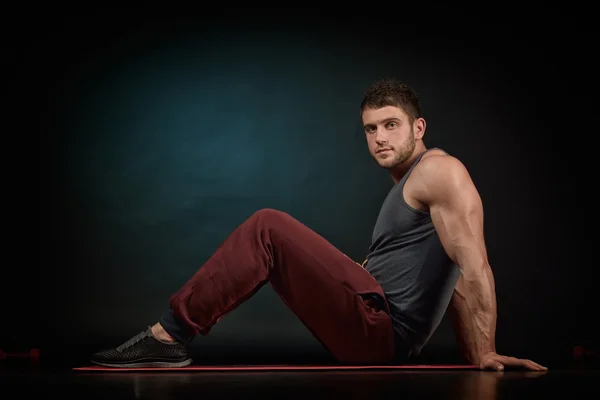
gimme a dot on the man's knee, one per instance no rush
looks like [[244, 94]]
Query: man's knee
[[269, 214]]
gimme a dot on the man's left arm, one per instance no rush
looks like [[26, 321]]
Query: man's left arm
[[457, 214]]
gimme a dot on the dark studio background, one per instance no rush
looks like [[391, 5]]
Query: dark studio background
[[158, 136]]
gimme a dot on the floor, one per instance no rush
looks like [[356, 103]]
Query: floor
[[27, 380]]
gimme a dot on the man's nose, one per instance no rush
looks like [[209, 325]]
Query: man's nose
[[380, 137]]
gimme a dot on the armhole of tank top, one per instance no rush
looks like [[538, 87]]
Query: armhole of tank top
[[404, 203]]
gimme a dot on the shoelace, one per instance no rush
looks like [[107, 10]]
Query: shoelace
[[137, 338]]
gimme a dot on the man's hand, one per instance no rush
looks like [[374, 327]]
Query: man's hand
[[496, 362]]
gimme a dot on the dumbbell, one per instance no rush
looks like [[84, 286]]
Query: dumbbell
[[33, 355]]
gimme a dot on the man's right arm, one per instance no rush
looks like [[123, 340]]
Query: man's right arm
[[460, 318]]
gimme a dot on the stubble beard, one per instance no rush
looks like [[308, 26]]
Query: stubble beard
[[401, 154]]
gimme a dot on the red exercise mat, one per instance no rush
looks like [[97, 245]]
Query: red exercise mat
[[209, 368]]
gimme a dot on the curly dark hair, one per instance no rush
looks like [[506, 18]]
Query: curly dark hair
[[392, 92]]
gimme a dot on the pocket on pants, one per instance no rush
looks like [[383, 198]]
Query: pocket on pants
[[375, 301]]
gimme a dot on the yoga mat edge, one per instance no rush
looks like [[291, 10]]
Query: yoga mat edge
[[210, 368]]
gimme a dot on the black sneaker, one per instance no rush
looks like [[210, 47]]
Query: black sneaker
[[142, 351]]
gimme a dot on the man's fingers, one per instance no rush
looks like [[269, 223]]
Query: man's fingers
[[528, 364], [534, 366], [500, 363], [493, 365]]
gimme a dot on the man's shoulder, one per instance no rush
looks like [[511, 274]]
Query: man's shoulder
[[439, 176], [438, 165]]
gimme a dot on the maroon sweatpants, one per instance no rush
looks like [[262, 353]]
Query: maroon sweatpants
[[322, 286]]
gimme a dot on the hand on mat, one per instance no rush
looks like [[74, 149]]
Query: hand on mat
[[496, 362]]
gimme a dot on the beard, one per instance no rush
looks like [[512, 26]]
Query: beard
[[399, 154]]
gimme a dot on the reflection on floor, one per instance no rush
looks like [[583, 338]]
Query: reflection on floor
[[29, 380]]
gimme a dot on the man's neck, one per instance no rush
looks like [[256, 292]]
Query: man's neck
[[401, 169]]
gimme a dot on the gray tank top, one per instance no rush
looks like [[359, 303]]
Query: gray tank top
[[406, 257]]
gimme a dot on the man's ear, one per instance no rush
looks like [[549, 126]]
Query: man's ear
[[419, 127]]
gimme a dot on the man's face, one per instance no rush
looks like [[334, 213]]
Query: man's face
[[390, 135]]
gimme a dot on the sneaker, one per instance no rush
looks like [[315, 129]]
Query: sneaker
[[142, 351]]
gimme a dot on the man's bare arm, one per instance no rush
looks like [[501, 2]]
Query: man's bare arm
[[457, 214], [460, 318]]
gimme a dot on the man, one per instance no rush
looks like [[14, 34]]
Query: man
[[427, 256]]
